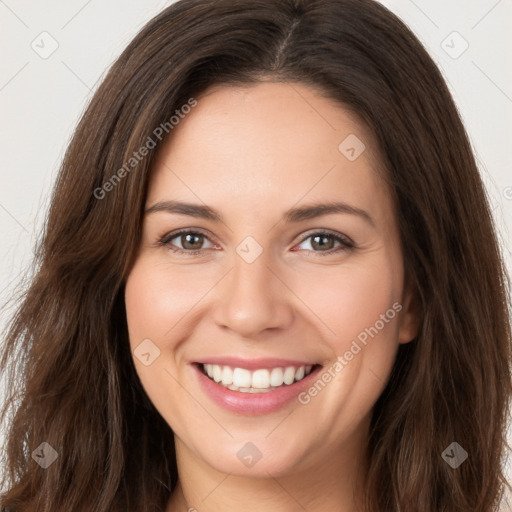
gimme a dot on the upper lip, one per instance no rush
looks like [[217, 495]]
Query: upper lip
[[254, 364]]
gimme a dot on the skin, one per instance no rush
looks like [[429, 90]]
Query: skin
[[251, 153]]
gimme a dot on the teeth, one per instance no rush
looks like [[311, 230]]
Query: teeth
[[241, 377], [261, 379], [217, 373], [289, 375], [227, 376], [257, 381], [276, 377]]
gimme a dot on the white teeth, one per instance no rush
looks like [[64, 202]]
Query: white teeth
[[241, 377], [257, 381], [252, 390], [277, 377], [289, 375], [217, 373], [227, 376], [261, 379]]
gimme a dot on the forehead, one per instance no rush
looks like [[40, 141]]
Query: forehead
[[269, 143]]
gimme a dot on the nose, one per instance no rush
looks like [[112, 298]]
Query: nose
[[253, 298]]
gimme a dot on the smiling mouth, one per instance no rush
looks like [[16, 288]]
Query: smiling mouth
[[255, 381]]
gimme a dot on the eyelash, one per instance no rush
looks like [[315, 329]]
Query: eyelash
[[346, 243]]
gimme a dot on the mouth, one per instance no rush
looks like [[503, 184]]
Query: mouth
[[260, 380], [254, 387]]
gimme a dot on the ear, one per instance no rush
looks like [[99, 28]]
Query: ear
[[409, 319]]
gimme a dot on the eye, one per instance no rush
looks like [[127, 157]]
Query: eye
[[325, 242], [188, 242]]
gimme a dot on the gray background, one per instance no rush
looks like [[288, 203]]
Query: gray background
[[43, 95]]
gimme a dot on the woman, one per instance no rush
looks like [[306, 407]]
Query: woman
[[184, 346]]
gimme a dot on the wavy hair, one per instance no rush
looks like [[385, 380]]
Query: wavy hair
[[72, 381]]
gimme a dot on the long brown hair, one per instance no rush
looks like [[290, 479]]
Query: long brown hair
[[72, 381]]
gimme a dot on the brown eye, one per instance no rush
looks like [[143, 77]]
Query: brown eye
[[326, 243], [185, 241], [192, 241], [322, 242]]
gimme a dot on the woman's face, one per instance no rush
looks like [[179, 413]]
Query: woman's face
[[266, 284]]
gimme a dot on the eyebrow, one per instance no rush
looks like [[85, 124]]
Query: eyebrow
[[293, 215]]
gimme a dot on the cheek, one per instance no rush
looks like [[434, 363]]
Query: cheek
[[352, 298], [361, 309], [157, 301], [158, 297]]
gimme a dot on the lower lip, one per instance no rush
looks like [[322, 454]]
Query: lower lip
[[253, 403]]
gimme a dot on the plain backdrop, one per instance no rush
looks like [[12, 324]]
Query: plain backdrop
[[54, 53]]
